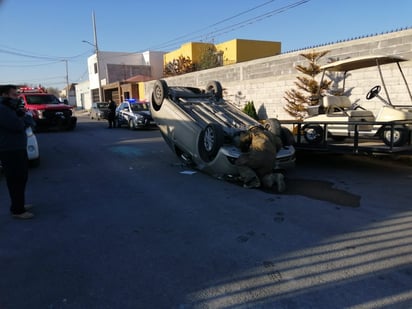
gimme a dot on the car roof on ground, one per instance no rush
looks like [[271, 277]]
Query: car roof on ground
[[361, 62]]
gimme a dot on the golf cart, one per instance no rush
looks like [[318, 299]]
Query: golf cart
[[339, 118]]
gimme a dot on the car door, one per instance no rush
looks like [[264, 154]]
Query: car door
[[122, 114]]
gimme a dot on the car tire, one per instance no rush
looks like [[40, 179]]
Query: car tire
[[400, 136], [273, 125], [160, 90], [215, 88], [287, 137], [210, 140], [131, 125], [313, 134]]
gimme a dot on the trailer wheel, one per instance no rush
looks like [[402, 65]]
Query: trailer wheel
[[400, 136], [313, 134], [160, 90]]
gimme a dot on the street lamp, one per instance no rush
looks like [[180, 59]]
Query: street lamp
[[96, 50]]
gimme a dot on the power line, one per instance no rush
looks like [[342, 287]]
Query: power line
[[212, 25], [232, 27]]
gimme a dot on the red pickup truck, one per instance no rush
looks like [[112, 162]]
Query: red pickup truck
[[47, 110]]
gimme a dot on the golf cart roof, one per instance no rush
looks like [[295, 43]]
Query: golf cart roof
[[360, 62]]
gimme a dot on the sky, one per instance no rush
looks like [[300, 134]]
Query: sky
[[41, 41]]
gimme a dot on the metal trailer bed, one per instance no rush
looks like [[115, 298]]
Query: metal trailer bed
[[355, 143]]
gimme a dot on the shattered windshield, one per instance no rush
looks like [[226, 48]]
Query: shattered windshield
[[42, 99]]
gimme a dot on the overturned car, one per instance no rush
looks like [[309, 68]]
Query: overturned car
[[201, 127]]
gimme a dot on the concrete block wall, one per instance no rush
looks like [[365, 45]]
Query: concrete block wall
[[264, 81]]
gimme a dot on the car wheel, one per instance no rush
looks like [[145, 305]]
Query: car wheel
[[313, 134], [215, 88], [400, 136], [160, 90], [273, 125], [131, 125], [210, 141], [287, 137]]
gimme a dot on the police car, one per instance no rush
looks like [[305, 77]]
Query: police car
[[134, 114]]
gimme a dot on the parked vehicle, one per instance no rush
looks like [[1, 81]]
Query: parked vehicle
[[200, 127], [343, 119], [47, 110], [134, 114], [99, 110]]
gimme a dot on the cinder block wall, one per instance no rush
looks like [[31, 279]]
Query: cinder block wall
[[264, 81]]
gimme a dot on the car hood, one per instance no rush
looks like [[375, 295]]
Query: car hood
[[143, 113]]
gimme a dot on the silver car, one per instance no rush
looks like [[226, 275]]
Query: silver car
[[201, 127]]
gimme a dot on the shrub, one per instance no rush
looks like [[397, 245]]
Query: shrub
[[250, 110]]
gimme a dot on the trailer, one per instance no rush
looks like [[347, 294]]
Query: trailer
[[355, 143]]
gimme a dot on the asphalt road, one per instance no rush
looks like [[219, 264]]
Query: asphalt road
[[120, 224]]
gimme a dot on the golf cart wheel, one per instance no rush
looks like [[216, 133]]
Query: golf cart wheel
[[210, 141], [160, 90], [400, 136], [273, 125], [313, 134], [216, 88]]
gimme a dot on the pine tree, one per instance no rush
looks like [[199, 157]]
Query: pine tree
[[250, 110], [307, 92]]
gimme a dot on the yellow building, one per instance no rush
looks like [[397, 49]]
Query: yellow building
[[239, 50], [233, 51], [193, 50]]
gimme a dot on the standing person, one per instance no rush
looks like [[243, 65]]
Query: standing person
[[13, 150], [112, 114]]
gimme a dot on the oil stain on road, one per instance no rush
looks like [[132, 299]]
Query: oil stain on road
[[321, 190]]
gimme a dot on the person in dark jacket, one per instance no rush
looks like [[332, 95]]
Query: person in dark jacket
[[112, 114], [259, 148], [13, 149]]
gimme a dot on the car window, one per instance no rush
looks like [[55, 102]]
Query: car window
[[42, 99], [139, 107], [102, 105]]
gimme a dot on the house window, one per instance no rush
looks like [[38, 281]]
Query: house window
[[95, 68], [126, 95]]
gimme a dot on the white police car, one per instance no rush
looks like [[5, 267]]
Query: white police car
[[134, 114]]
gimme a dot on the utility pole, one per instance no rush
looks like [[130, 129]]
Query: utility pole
[[96, 51], [67, 80], [96, 48]]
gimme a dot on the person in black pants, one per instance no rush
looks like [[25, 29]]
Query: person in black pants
[[112, 114], [13, 150]]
